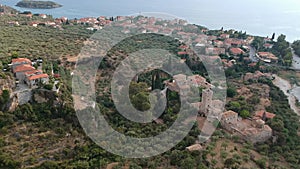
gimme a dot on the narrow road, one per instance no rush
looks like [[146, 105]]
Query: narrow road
[[252, 54]]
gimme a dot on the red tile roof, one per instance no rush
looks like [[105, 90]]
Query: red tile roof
[[182, 53], [38, 77], [268, 115], [267, 55], [32, 72], [23, 68], [236, 51], [252, 64], [18, 60]]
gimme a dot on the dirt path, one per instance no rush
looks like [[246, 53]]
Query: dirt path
[[284, 85]]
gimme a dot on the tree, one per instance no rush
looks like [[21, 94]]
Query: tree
[[231, 163], [14, 54], [273, 36], [141, 101], [245, 114], [235, 106], [225, 145], [231, 92]]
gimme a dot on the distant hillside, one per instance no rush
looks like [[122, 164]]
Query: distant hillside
[[7, 9], [38, 4]]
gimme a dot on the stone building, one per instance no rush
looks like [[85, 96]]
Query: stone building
[[206, 103], [254, 130]]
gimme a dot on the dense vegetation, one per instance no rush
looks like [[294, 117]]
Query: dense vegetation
[[296, 47], [40, 42], [280, 49]]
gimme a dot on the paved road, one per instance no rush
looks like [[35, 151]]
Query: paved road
[[252, 54]]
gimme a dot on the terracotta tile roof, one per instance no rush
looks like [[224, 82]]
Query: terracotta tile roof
[[182, 53], [32, 72], [23, 68], [236, 51], [18, 60], [229, 114], [267, 55], [38, 77], [252, 64], [268, 115]]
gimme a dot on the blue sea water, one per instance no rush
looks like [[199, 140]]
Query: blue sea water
[[253, 16]]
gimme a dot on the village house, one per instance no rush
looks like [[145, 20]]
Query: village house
[[267, 57], [264, 115], [34, 24], [44, 16], [227, 63], [255, 76], [236, 51], [27, 74], [233, 42], [268, 45], [218, 43], [224, 36], [214, 51], [267, 39], [181, 80], [35, 80], [195, 147], [19, 71], [20, 61], [13, 23]]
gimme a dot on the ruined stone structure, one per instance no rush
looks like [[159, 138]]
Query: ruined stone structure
[[206, 103], [254, 130]]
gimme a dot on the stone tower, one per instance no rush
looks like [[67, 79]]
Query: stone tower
[[207, 95]]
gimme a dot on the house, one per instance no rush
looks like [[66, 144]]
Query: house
[[267, 57], [34, 80], [268, 45], [44, 16], [34, 24], [264, 115], [227, 63], [13, 23], [20, 70], [20, 61], [182, 53], [233, 42], [224, 36], [236, 51], [214, 51], [195, 147], [229, 118], [218, 43], [255, 76], [198, 81]]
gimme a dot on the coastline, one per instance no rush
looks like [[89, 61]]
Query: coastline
[[260, 25]]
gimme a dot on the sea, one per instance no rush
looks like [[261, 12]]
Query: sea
[[256, 17]]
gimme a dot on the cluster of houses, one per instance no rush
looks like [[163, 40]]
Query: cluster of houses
[[254, 130], [25, 73], [93, 22]]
